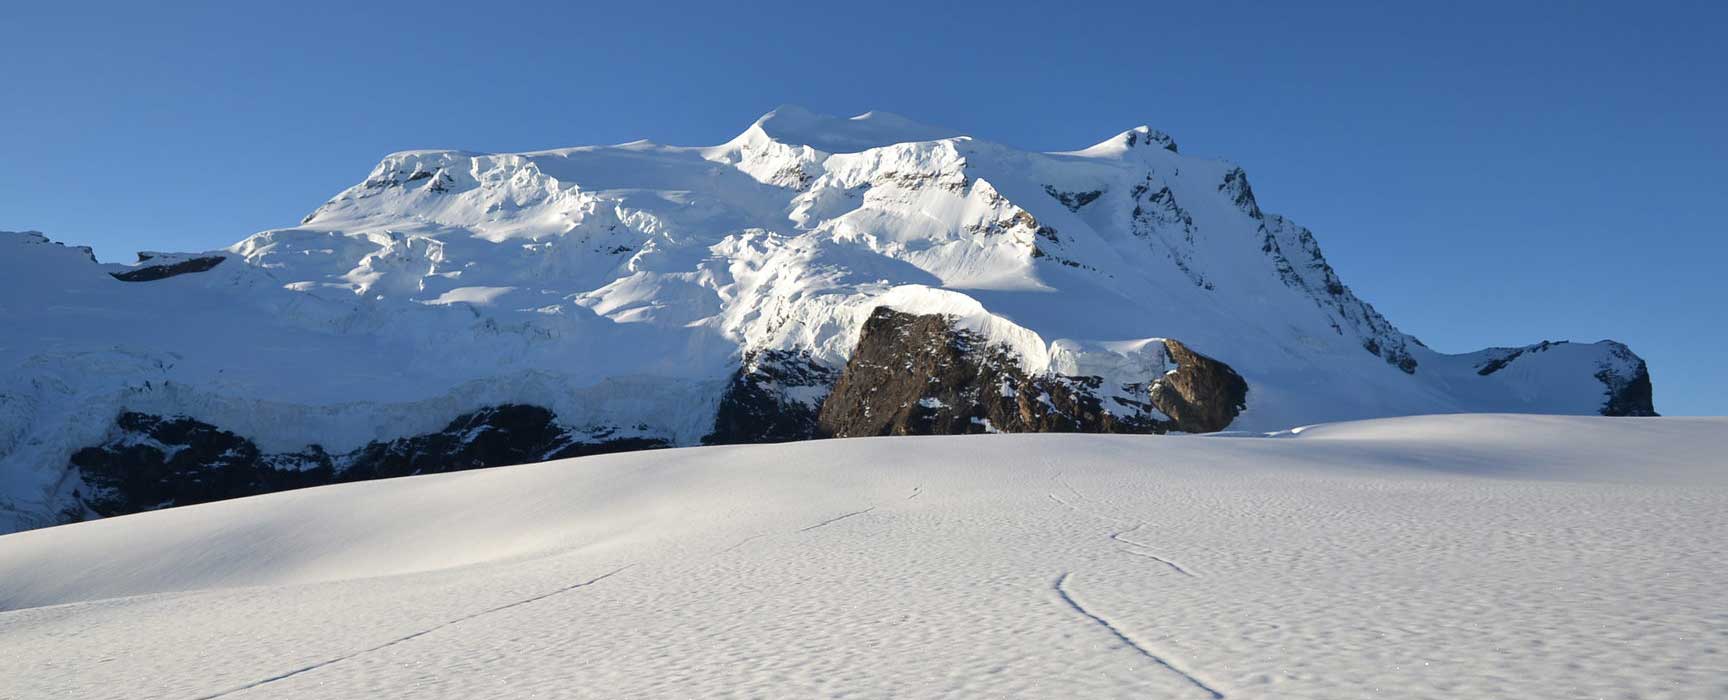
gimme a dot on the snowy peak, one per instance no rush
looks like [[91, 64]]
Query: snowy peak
[[1131, 141], [796, 126], [655, 292]]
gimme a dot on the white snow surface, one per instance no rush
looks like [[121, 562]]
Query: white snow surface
[[1430, 557], [620, 285]]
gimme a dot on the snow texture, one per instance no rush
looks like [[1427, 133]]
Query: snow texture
[[1434, 557]]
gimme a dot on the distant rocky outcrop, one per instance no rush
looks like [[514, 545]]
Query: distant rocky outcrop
[[910, 374], [1629, 392], [921, 374], [774, 396], [153, 266], [157, 462]]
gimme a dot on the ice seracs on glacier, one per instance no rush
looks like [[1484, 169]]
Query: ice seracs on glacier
[[650, 292]]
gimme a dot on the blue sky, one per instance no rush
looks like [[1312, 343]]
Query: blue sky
[[1484, 173]]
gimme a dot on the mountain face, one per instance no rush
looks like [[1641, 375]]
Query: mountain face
[[813, 277]]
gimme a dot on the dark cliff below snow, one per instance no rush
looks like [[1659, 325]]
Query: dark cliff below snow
[[911, 374], [157, 462]]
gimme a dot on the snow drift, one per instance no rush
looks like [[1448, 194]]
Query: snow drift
[[1432, 557]]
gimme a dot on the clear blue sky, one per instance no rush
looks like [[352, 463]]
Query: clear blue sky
[[1485, 173]]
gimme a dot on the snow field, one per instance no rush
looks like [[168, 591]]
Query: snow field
[[1429, 557]]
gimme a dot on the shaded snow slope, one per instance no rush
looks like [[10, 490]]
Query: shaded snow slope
[[1431, 557], [621, 286]]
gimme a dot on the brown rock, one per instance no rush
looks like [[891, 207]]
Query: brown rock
[[1203, 395]]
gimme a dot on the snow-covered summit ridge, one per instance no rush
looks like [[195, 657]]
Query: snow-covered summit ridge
[[623, 286], [968, 214], [796, 126], [1130, 141]]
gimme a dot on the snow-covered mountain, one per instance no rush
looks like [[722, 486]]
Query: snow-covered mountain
[[462, 309]]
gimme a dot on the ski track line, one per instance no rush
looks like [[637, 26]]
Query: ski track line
[[1073, 602], [1064, 482], [838, 518], [421, 633], [1141, 549], [1173, 565], [743, 542]]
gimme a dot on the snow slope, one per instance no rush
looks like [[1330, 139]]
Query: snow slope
[[621, 286], [1429, 557]]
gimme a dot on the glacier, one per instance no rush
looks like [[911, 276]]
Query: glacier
[[631, 290]]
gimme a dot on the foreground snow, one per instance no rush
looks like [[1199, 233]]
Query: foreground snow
[[1456, 556]]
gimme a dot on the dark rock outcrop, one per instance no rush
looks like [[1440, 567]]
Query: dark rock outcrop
[[1628, 395], [1300, 265], [921, 375], [490, 437], [909, 375], [1074, 200], [1506, 355], [774, 397], [1236, 187], [159, 462], [1148, 136], [1203, 395], [164, 270]]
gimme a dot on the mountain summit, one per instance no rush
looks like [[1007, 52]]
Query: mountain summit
[[815, 276]]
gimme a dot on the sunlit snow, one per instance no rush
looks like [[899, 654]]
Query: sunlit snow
[[1468, 556]]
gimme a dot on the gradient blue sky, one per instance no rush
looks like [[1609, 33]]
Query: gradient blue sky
[[1485, 173]]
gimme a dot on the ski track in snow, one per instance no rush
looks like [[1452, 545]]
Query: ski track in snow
[[1173, 565], [1073, 601], [406, 638], [743, 542], [1139, 549], [839, 518]]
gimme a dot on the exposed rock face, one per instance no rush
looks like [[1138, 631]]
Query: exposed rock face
[[774, 397], [1074, 200], [166, 268], [1504, 356], [491, 437], [920, 375], [1629, 393], [159, 462], [909, 375], [1202, 395], [1147, 136], [1300, 264]]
